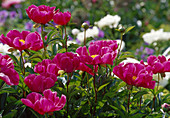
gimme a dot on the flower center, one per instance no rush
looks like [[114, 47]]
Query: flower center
[[134, 77], [21, 40], [93, 56]]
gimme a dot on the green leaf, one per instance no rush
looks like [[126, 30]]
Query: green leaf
[[37, 55], [102, 86], [61, 50], [10, 114], [129, 28], [139, 94], [14, 58], [118, 111], [7, 90]]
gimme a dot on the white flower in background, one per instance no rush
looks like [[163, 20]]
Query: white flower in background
[[89, 33], [109, 20], [155, 36], [27, 65], [122, 46], [4, 49], [139, 23], [75, 31], [130, 60], [68, 43]]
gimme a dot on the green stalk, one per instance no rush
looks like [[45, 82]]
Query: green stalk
[[119, 49], [23, 72], [95, 91], [43, 38], [84, 37], [68, 81], [65, 37]]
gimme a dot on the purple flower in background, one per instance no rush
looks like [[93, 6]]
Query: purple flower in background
[[28, 26], [78, 42], [13, 15], [101, 34], [17, 6], [149, 51], [143, 57], [70, 38], [88, 22], [3, 16], [20, 13]]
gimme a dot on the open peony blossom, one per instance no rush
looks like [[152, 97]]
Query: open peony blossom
[[40, 82], [100, 52], [45, 104], [135, 74], [156, 35], [46, 66], [62, 18], [68, 61], [22, 40], [109, 20], [41, 14], [159, 64], [7, 72]]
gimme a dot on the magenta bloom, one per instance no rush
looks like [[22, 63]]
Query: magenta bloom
[[68, 61], [45, 104], [7, 72], [23, 40], [41, 14], [39, 83], [46, 66], [100, 52], [159, 64], [62, 18], [135, 74]]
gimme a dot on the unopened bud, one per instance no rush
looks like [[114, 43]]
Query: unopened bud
[[85, 26], [81, 72]]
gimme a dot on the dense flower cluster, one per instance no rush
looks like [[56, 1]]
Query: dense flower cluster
[[45, 104]]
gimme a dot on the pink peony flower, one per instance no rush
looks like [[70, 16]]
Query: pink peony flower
[[7, 72], [40, 82], [159, 64], [46, 66], [7, 3], [41, 14], [135, 74], [23, 40], [62, 18], [100, 52], [44, 104], [68, 61]]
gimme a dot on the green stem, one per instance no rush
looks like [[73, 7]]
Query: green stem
[[158, 82], [119, 49], [95, 90], [128, 101], [23, 72], [68, 81], [46, 115], [84, 37], [43, 38], [65, 37]]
